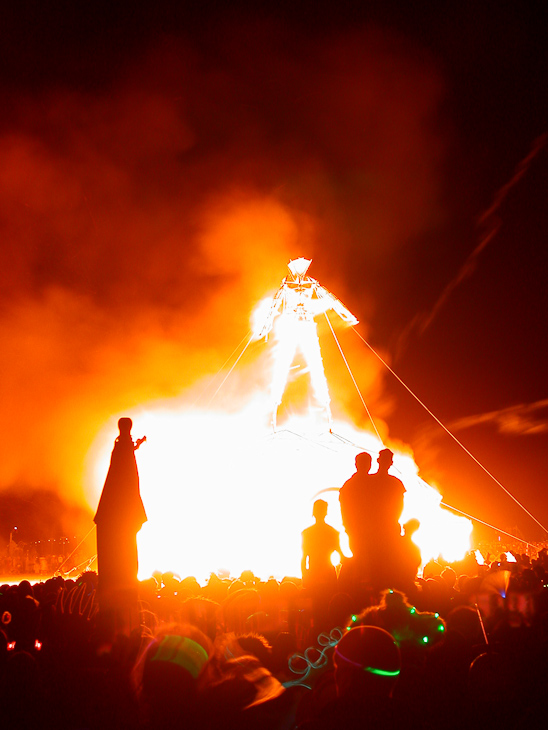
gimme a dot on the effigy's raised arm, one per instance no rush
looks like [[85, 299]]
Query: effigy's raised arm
[[330, 301]]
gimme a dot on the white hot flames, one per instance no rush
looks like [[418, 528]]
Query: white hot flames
[[223, 492]]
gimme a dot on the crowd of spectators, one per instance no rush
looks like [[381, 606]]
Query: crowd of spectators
[[466, 647], [38, 557]]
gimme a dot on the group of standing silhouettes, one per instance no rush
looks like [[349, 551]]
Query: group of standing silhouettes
[[371, 507]]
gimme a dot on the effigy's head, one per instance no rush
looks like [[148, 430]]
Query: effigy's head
[[299, 267]]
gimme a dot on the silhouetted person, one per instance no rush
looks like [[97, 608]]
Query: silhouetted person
[[409, 559], [119, 517], [319, 542], [355, 501], [384, 536], [389, 495], [167, 673], [367, 665]]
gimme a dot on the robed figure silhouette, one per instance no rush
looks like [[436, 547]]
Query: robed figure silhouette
[[119, 517]]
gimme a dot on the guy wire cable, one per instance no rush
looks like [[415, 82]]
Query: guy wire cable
[[75, 549], [454, 509], [228, 359], [463, 447], [353, 378], [232, 368], [487, 524]]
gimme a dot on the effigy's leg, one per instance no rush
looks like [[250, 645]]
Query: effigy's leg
[[284, 353], [311, 349]]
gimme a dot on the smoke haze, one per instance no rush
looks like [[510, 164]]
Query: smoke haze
[[141, 221]]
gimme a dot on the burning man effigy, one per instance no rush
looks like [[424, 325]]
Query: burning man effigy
[[298, 300]]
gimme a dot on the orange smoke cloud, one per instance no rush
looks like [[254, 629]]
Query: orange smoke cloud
[[141, 225]]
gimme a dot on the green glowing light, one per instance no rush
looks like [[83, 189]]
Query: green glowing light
[[436, 615], [425, 639], [441, 627], [354, 618], [382, 672], [413, 610]]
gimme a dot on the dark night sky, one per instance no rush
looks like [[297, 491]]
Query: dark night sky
[[386, 132]]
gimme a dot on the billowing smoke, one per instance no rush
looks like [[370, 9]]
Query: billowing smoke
[[141, 223]]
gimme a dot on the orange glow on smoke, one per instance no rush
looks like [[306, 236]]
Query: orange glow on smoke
[[143, 220]]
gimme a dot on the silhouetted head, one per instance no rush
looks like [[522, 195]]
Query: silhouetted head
[[167, 671], [125, 424], [363, 462], [492, 677], [319, 510], [449, 576], [385, 460], [411, 526], [465, 621], [234, 681], [25, 589], [257, 646], [367, 663]]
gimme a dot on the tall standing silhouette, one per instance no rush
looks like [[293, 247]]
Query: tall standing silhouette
[[319, 542], [119, 517], [356, 504], [387, 492]]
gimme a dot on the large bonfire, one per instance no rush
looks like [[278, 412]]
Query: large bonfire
[[228, 489]]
